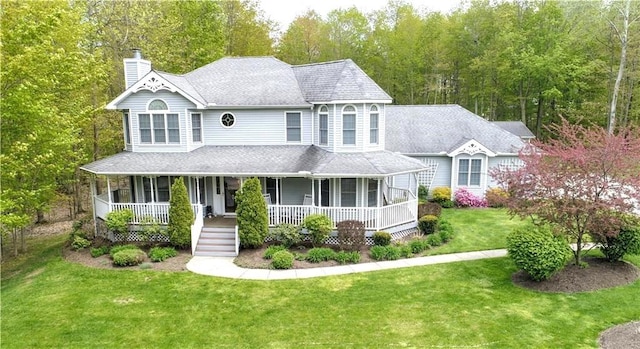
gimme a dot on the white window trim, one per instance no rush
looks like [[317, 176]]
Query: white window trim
[[235, 119], [377, 113], [126, 120], [321, 113], [164, 113], [158, 99], [201, 126], [286, 127], [355, 129], [468, 184]]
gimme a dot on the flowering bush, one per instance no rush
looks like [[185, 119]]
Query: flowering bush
[[496, 197], [465, 198]]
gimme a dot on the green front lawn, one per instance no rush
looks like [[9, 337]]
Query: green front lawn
[[48, 302]]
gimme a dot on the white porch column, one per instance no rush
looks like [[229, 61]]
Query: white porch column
[[92, 186], [153, 198], [109, 194], [198, 198], [277, 191], [320, 192], [378, 206]]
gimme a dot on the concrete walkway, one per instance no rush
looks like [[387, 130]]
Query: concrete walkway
[[224, 266]]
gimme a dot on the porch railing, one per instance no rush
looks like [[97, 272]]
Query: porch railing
[[374, 218], [141, 211], [196, 228]]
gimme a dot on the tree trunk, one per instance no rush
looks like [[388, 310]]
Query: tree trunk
[[539, 116], [623, 36]]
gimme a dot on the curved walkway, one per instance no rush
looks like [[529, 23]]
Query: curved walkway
[[224, 266]]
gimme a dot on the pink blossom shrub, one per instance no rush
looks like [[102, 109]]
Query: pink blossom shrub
[[464, 198]]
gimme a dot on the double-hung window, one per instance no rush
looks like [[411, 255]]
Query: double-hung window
[[349, 125], [372, 193], [196, 127], [323, 125], [469, 172], [373, 124], [294, 127], [159, 126]]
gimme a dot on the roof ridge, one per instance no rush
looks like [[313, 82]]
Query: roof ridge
[[319, 63]]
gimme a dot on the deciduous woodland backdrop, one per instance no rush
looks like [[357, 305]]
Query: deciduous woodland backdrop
[[535, 61]]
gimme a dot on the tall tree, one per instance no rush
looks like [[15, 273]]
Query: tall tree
[[301, 41], [247, 32]]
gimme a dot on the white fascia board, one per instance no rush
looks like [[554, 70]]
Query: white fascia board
[[472, 147], [213, 106], [354, 101], [159, 83]]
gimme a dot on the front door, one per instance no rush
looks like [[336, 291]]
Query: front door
[[231, 186]]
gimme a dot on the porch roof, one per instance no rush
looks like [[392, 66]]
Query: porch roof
[[274, 160]]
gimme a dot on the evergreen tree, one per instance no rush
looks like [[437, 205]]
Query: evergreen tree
[[180, 215], [253, 223]]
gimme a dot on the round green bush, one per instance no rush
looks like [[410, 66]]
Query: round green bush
[[319, 227], [129, 257], [79, 243], [428, 224], [282, 260], [118, 248], [537, 251], [320, 254], [159, 254], [381, 238], [434, 240], [287, 234], [626, 242]]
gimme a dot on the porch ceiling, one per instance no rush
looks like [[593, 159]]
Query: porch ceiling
[[275, 160]]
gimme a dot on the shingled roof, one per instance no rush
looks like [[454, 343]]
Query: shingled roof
[[284, 160], [518, 128], [437, 129], [267, 81]]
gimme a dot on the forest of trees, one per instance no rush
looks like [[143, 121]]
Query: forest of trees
[[535, 61]]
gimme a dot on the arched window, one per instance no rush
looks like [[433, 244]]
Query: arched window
[[349, 125], [374, 118], [157, 104], [158, 126], [323, 125]]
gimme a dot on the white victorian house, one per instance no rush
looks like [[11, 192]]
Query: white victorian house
[[313, 134]]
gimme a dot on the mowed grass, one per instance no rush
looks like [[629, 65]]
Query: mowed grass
[[478, 229], [50, 303]]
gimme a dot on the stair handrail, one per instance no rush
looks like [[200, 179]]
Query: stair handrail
[[237, 240]]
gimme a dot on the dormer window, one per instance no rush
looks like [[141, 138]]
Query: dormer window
[[159, 126], [349, 125], [373, 124]]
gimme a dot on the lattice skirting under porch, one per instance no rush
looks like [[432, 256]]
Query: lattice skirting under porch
[[133, 236], [333, 239]]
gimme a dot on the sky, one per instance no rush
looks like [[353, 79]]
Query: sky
[[284, 11]]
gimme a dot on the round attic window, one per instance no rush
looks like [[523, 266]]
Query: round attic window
[[227, 120]]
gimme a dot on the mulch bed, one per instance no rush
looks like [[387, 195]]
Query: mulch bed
[[598, 275]]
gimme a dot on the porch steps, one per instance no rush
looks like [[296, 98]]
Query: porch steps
[[216, 242]]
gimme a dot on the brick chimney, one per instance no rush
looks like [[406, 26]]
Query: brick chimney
[[135, 68]]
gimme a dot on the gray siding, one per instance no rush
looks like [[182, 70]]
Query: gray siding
[[253, 127], [441, 178], [511, 161], [137, 103]]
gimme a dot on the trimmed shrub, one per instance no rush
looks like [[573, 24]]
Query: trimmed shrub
[[99, 251], [626, 242], [118, 221], [537, 251], [405, 251], [441, 194], [465, 198], [159, 254], [434, 240], [429, 208], [253, 221], [320, 254], [319, 227], [79, 243], [118, 248], [381, 238], [351, 235], [496, 197], [287, 234], [151, 229], [428, 224], [273, 249], [423, 193], [129, 257], [282, 260], [180, 215], [447, 204], [344, 257]]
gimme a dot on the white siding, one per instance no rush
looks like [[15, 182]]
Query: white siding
[[253, 127]]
